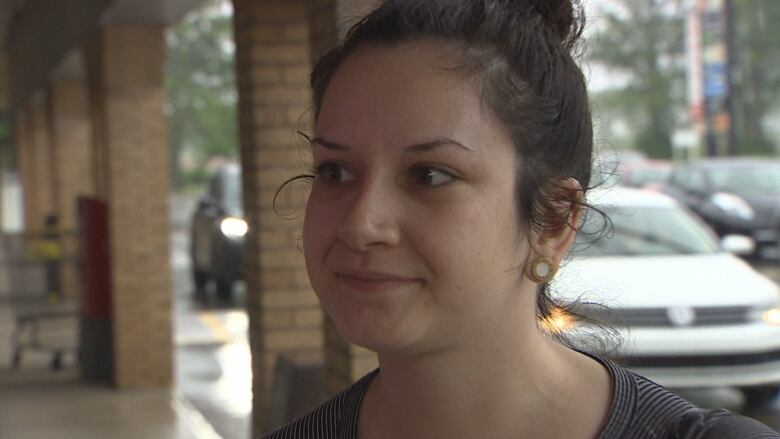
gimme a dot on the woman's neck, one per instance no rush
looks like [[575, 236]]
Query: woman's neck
[[519, 388]]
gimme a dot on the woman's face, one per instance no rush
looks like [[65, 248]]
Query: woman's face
[[412, 237]]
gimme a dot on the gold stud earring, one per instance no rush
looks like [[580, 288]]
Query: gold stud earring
[[541, 270]]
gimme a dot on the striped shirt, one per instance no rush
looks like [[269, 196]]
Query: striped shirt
[[640, 409]]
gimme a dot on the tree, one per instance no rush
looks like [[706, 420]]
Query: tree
[[756, 72], [643, 40], [201, 87]]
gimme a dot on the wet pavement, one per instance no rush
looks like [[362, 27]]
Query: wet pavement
[[215, 376], [212, 358]]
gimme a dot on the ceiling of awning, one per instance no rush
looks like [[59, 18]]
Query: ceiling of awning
[[39, 37], [7, 10]]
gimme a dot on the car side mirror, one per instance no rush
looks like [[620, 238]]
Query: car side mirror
[[738, 244]]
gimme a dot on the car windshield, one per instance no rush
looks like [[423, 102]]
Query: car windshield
[[645, 231], [649, 175], [232, 194], [747, 180]]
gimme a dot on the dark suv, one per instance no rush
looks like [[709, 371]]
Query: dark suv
[[734, 196], [218, 230]]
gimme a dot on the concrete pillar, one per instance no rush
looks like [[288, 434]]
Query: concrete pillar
[[273, 62], [125, 69], [71, 136]]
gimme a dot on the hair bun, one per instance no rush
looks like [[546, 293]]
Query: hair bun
[[563, 17]]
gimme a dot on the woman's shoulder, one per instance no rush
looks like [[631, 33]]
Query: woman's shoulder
[[721, 424], [643, 409], [664, 411], [335, 418]]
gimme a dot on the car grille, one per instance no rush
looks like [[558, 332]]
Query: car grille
[[699, 360], [659, 317]]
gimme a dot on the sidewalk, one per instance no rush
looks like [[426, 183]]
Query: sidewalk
[[36, 402]]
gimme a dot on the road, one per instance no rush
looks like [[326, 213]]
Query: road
[[213, 362]]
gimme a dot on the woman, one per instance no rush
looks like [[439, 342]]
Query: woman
[[452, 150]]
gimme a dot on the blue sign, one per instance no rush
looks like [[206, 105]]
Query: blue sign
[[715, 80]]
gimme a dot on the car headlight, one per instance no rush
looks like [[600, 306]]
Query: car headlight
[[233, 227], [734, 205], [769, 315]]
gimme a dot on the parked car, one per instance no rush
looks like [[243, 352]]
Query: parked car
[[645, 173], [689, 312], [218, 230], [734, 195], [608, 163]]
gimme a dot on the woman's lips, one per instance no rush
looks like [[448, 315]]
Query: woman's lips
[[373, 281]]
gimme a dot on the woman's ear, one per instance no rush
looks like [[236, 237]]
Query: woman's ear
[[564, 205]]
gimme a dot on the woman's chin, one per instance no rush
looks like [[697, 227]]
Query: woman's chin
[[376, 337]]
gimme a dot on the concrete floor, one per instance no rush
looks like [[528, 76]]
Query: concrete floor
[[37, 402]]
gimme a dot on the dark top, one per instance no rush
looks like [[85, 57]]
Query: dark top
[[640, 409]]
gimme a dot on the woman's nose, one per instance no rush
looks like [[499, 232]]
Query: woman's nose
[[370, 219]]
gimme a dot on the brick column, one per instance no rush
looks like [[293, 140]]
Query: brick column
[[330, 20], [72, 139], [125, 65], [273, 62]]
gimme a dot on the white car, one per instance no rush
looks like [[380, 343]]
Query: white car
[[689, 312]]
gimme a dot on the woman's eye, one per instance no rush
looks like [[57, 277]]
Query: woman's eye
[[333, 173], [431, 176]]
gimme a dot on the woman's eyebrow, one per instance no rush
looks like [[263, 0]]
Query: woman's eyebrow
[[328, 144], [428, 146], [419, 147]]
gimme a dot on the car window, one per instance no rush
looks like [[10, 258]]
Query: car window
[[747, 180], [232, 190], [689, 179], [678, 177], [645, 231], [641, 177], [213, 189]]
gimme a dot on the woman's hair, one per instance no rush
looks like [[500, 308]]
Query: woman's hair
[[519, 54]]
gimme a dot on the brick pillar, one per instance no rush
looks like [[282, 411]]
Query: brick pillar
[[72, 140], [273, 62], [125, 66], [330, 20]]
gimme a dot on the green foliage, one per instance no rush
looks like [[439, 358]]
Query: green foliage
[[201, 89], [643, 41], [756, 73]]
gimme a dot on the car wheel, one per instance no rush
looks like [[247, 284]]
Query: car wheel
[[224, 290], [760, 395], [200, 279]]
